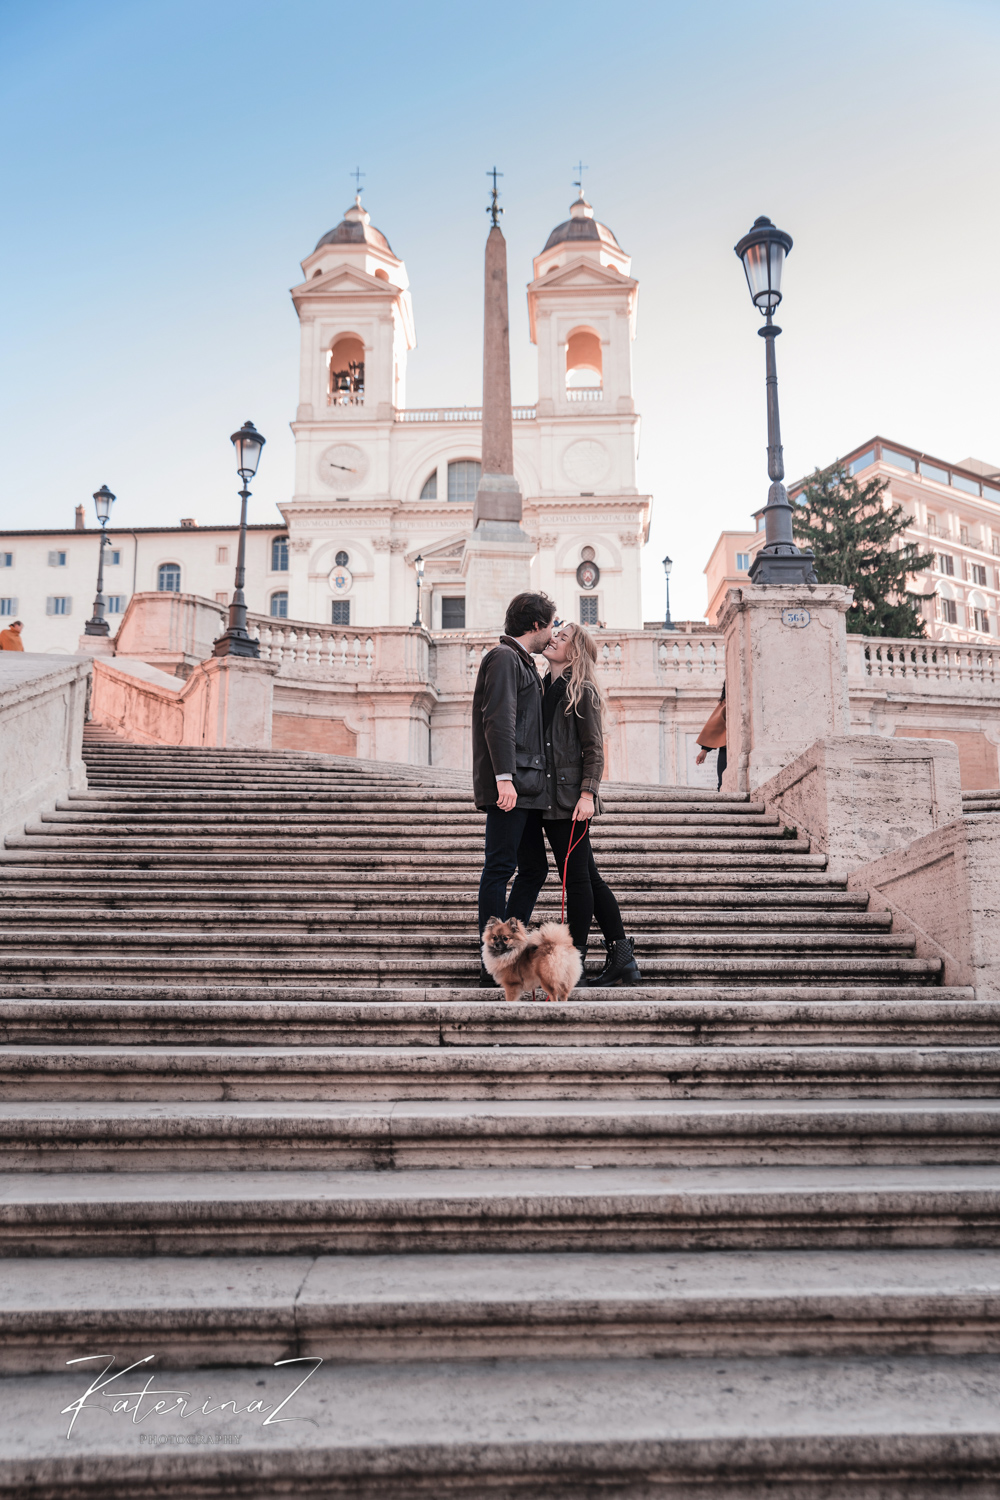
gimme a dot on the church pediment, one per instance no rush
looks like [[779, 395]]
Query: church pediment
[[582, 275], [345, 281]]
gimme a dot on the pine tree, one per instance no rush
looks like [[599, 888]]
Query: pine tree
[[851, 531]]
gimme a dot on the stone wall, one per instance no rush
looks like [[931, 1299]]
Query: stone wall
[[42, 708]]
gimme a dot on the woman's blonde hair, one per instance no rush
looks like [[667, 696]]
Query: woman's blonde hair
[[582, 674]]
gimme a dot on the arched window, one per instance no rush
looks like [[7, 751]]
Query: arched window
[[430, 489], [584, 361], [346, 371], [279, 606], [279, 554], [463, 479], [342, 559], [168, 578], [381, 274]]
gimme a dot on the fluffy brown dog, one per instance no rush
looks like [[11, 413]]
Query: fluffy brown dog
[[521, 960]]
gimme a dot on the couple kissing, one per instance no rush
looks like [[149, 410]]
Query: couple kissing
[[537, 763]]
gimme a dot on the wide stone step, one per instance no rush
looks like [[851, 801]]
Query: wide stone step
[[280, 816], [256, 1212], [717, 1304], [452, 918], [232, 1070], [916, 1428], [355, 940], [117, 1012], [369, 1135], [810, 887], [461, 865], [333, 969], [406, 840]]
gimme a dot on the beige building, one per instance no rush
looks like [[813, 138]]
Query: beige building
[[955, 510]]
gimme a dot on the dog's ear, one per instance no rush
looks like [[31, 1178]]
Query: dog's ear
[[493, 922]]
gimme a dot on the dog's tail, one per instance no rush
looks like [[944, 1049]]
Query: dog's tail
[[553, 935]]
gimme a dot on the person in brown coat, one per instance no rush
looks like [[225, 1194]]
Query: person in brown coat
[[572, 713], [10, 639], [713, 736]]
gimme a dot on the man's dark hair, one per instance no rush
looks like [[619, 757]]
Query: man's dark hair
[[525, 611]]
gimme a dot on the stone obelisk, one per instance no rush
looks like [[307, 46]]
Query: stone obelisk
[[497, 558]]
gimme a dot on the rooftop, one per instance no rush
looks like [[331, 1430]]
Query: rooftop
[[581, 225]]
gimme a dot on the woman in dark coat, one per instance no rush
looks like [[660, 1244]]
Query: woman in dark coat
[[574, 749]]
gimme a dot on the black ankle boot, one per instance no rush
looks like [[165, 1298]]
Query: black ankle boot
[[583, 981], [620, 966]]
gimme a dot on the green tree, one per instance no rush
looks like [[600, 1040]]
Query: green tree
[[853, 533]]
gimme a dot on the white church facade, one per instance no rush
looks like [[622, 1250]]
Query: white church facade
[[378, 483]]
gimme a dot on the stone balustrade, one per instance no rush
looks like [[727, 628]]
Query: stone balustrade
[[925, 664]]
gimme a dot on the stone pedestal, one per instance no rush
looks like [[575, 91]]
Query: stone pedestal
[[95, 645], [496, 565], [234, 710], [786, 676], [859, 797]]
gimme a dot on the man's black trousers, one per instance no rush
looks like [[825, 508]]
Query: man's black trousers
[[514, 841]]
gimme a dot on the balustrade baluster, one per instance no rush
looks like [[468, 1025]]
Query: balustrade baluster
[[369, 653]]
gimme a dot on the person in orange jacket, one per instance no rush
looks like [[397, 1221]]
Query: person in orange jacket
[[713, 736], [10, 639]]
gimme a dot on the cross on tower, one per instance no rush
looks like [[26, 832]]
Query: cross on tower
[[580, 169], [494, 208], [357, 174]]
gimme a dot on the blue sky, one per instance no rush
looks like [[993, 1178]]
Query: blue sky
[[165, 166]]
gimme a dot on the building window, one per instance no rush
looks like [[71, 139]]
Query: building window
[[6, 559], [279, 606], [430, 489], [341, 612], [981, 621], [588, 609], [963, 535], [463, 479], [970, 486], [342, 559], [222, 598], [742, 562], [279, 555], [979, 574], [58, 606], [57, 559], [116, 604], [863, 461], [931, 471], [898, 460], [222, 554], [946, 564], [168, 578], [949, 611], [453, 613], [114, 558], [346, 372], [8, 606]]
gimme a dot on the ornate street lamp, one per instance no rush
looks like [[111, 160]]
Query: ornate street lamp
[[97, 624], [668, 624], [763, 252], [237, 640], [417, 622]]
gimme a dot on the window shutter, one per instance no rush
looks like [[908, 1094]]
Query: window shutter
[[53, 563]]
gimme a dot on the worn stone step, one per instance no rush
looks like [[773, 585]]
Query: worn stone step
[[283, 815], [366, 1135], [406, 841], [716, 1304], [363, 942], [233, 1070], [113, 1012], [916, 1428], [808, 886], [498, 1209], [454, 1016], [343, 864], [334, 968], [448, 916]]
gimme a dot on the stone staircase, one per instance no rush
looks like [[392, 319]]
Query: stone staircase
[[733, 1233]]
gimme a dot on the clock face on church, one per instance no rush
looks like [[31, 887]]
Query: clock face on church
[[342, 467]]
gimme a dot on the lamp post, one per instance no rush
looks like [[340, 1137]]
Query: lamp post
[[668, 623], [97, 624], [237, 640], [417, 622], [763, 252]]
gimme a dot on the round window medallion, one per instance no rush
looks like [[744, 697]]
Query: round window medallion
[[342, 467], [341, 582], [585, 463], [588, 554], [588, 575]]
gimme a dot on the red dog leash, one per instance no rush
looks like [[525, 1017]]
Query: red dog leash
[[569, 851]]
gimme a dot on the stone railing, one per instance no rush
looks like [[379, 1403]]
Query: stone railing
[[305, 649], [455, 414], [42, 705], [622, 655], [925, 665], [586, 394]]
